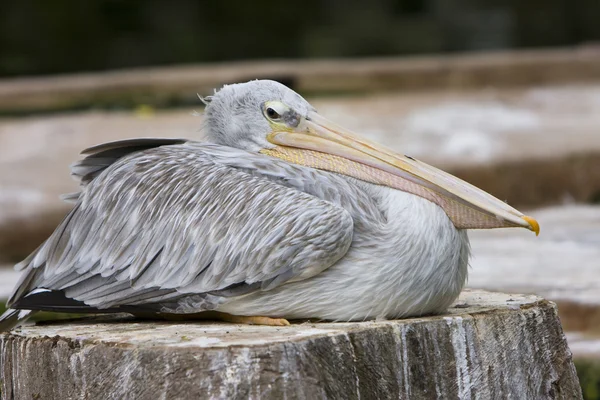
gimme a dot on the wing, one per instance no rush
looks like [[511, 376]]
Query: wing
[[164, 222]]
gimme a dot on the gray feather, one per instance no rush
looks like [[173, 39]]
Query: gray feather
[[175, 220]]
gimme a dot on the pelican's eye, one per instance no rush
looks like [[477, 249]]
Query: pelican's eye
[[280, 115], [271, 113], [275, 111]]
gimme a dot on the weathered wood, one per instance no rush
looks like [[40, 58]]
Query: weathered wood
[[489, 346]]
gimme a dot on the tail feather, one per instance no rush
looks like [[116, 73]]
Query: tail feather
[[13, 318]]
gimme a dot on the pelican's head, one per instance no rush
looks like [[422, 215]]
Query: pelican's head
[[267, 117]]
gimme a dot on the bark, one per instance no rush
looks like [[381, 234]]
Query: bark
[[488, 346]]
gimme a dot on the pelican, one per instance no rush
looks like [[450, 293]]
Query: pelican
[[279, 215]]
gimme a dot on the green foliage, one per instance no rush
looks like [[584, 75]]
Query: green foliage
[[588, 371]]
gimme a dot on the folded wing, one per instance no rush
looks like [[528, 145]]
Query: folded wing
[[159, 220]]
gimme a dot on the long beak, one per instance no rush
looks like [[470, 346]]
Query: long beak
[[467, 206]]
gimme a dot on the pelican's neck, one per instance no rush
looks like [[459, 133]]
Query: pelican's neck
[[414, 222]]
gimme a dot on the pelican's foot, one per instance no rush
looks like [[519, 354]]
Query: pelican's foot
[[252, 320], [218, 316]]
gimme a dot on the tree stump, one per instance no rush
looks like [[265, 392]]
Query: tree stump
[[488, 346]]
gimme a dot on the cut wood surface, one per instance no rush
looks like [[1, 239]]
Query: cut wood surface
[[488, 346]]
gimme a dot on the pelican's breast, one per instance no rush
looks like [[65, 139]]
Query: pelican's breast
[[417, 262], [413, 263]]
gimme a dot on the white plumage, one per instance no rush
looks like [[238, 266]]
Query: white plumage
[[414, 262]]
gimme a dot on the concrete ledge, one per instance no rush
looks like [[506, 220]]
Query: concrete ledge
[[177, 85], [490, 345]]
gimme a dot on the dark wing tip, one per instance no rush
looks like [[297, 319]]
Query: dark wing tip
[[13, 318], [138, 142], [99, 157]]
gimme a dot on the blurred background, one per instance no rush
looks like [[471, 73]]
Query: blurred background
[[42, 37], [503, 93]]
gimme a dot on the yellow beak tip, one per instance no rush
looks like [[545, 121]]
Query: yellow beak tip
[[534, 226]]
